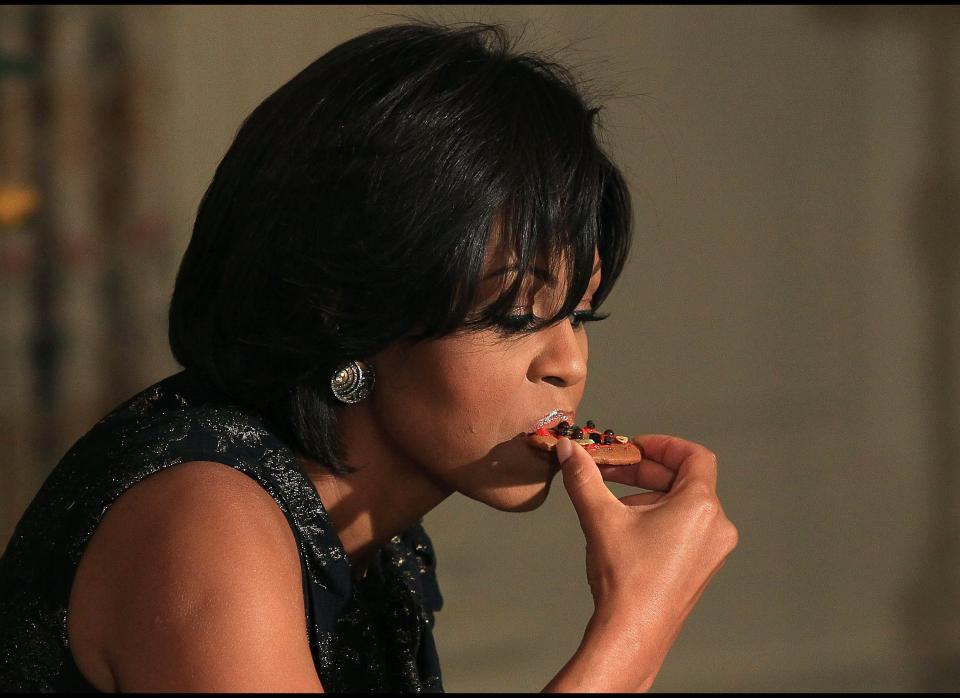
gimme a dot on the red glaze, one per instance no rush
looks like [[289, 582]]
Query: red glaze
[[586, 432]]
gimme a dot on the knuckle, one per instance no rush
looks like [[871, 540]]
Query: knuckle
[[711, 457], [701, 493], [576, 476], [573, 476], [730, 536], [704, 506]]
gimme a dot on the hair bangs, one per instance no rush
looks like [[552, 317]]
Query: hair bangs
[[566, 201], [538, 189]]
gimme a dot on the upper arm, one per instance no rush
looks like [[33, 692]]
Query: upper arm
[[203, 586]]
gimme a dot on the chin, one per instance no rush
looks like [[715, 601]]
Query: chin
[[514, 497], [514, 478], [510, 476], [520, 498]]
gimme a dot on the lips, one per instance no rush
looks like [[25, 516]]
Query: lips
[[553, 418]]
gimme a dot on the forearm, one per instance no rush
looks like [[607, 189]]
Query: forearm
[[615, 655]]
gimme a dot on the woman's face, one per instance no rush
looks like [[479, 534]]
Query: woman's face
[[456, 408]]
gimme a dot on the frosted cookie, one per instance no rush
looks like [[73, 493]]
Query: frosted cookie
[[606, 448]]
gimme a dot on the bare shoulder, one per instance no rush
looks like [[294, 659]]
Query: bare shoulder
[[192, 582]]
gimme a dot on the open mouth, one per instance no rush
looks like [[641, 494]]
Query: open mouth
[[553, 418]]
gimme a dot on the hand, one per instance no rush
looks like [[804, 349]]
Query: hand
[[651, 555]]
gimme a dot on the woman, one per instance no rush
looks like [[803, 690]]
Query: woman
[[386, 287]]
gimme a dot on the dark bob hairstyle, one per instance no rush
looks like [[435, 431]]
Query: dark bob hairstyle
[[354, 207]]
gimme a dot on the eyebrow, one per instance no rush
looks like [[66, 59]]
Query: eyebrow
[[540, 273]]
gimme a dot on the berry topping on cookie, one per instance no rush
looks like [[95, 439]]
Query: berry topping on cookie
[[607, 448]]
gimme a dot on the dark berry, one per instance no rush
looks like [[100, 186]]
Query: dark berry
[[563, 425], [563, 429], [610, 432], [595, 437], [590, 424], [576, 433], [607, 439]]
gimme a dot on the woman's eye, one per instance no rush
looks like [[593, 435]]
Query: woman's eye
[[519, 322], [525, 321]]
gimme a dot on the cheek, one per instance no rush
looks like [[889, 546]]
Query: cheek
[[460, 396]]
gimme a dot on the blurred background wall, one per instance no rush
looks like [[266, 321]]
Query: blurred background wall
[[792, 303]]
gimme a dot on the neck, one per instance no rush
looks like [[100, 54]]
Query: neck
[[384, 496]]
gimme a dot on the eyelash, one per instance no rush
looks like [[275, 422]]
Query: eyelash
[[520, 323]]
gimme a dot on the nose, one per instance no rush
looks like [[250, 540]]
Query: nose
[[562, 358]]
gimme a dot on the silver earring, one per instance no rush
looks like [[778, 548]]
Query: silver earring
[[352, 381]]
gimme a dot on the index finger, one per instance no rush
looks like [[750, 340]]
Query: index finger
[[688, 459]]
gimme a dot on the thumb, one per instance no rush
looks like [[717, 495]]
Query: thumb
[[583, 481]]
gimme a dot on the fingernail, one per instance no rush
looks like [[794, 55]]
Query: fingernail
[[564, 449]]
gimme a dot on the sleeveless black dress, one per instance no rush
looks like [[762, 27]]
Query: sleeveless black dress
[[371, 635]]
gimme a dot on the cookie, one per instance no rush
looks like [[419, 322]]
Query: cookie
[[606, 448]]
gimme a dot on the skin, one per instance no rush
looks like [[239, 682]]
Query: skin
[[134, 624], [474, 395]]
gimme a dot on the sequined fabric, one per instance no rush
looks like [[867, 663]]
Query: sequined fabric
[[372, 635]]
